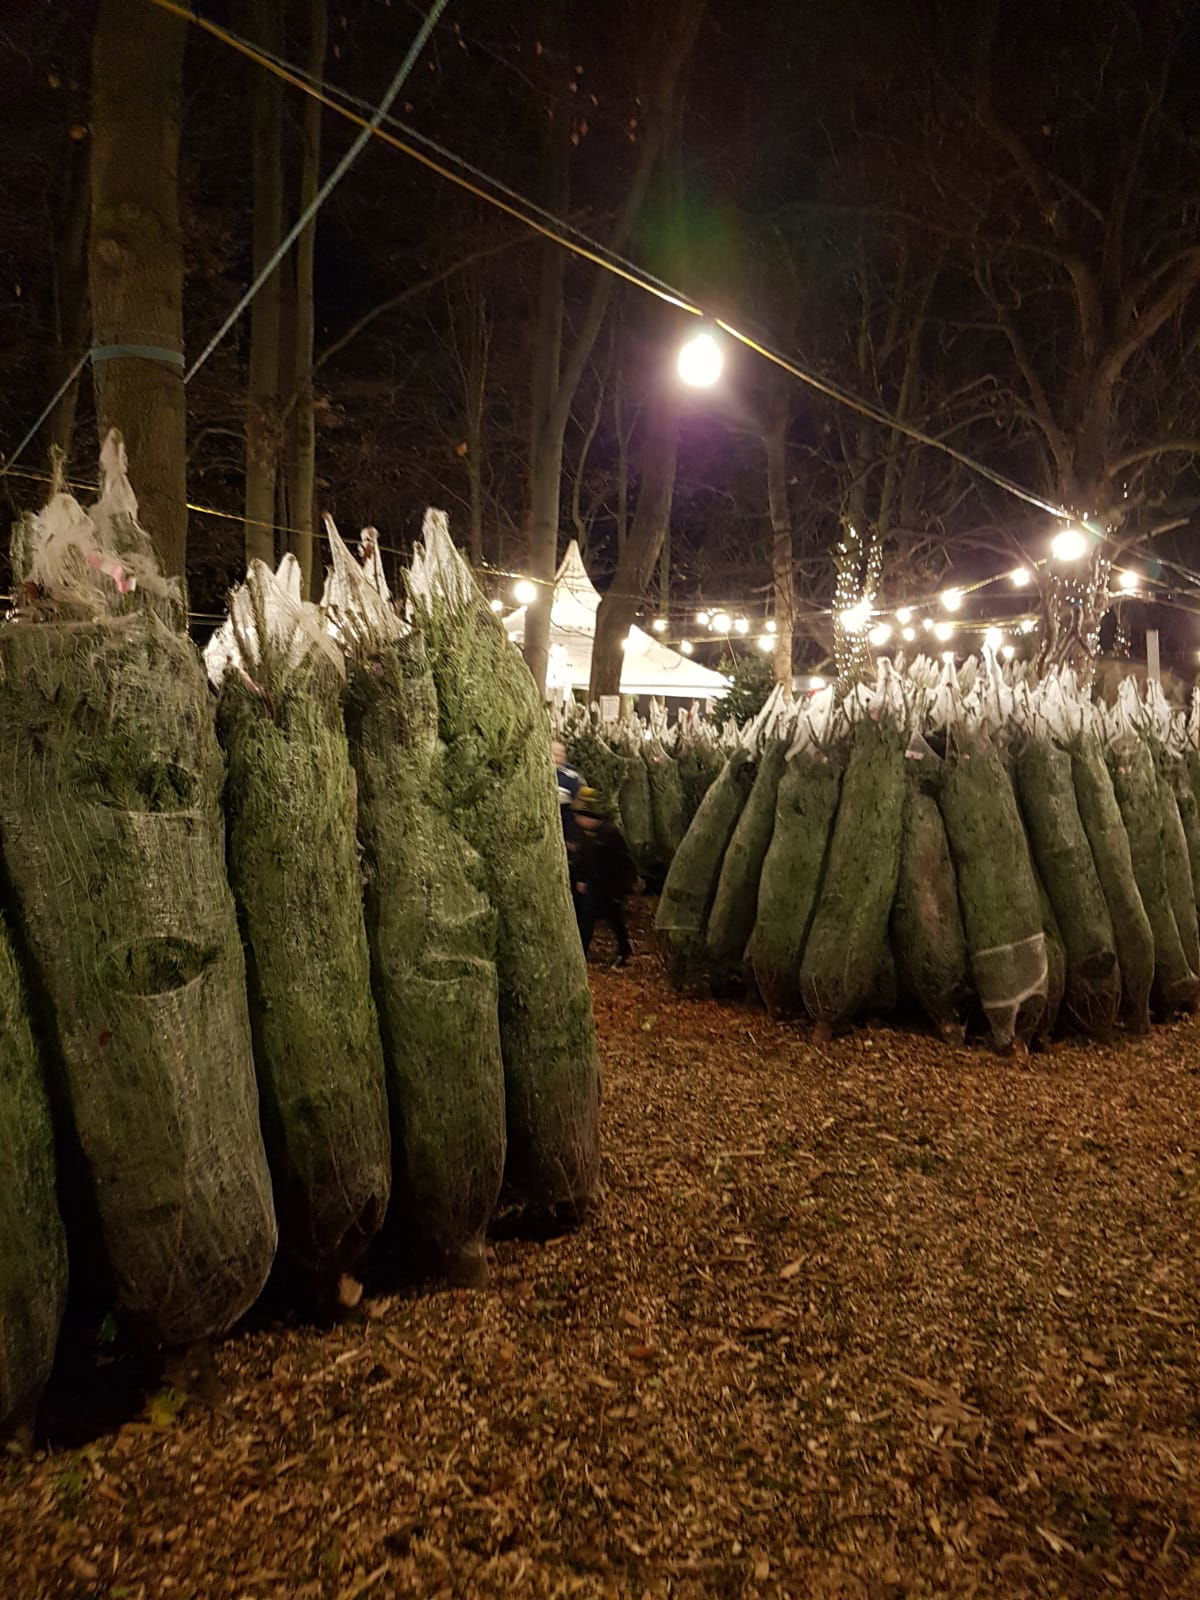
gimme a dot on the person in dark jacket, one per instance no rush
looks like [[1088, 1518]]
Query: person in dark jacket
[[604, 875]]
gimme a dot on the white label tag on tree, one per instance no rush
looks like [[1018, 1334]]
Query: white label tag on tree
[[610, 707]]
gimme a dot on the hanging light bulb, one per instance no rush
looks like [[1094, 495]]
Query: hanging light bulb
[[525, 591], [771, 625], [720, 622], [943, 631], [904, 616], [659, 624], [909, 635], [880, 633], [1128, 580], [1069, 545], [855, 618], [741, 626], [497, 606], [928, 624], [1019, 577], [703, 618], [1028, 626], [700, 361], [686, 647], [1009, 651], [992, 639], [952, 599], [765, 643]]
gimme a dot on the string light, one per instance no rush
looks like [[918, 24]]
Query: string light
[[771, 625], [765, 643], [497, 606], [700, 361], [880, 633], [909, 635], [904, 615], [1028, 626], [943, 631], [952, 599], [928, 624], [1069, 545], [720, 622], [686, 647], [1009, 651], [1127, 580], [703, 618], [1019, 577], [524, 592], [659, 624], [741, 626], [855, 618], [992, 639]]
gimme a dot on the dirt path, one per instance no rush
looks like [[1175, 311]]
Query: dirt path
[[878, 1320]]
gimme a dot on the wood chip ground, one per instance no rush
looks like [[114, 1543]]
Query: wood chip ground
[[870, 1320]]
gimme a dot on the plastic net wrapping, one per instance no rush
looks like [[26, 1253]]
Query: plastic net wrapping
[[637, 808], [431, 932], [735, 905], [792, 870], [33, 1249], [293, 865], [926, 924], [110, 784], [845, 945], [1068, 874], [667, 807], [503, 796], [691, 881], [997, 890]]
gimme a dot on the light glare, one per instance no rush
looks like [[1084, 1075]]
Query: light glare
[[904, 616], [765, 643], [856, 617], [880, 633], [686, 647], [741, 626], [1128, 580], [701, 361], [720, 622], [943, 631], [952, 599], [1069, 545], [524, 592], [1019, 577]]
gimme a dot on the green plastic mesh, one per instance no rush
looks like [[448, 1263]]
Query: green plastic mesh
[[33, 1248], [997, 891], [431, 931], [734, 909], [805, 806], [844, 949], [110, 815], [692, 878], [1135, 784], [1179, 872], [503, 794], [700, 762], [602, 768], [1105, 829], [293, 865], [637, 815], [1068, 873], [667, 808], [1056, 965], [1176, 771], [926, 927]]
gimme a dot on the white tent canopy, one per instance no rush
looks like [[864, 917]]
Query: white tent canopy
[[648, 668]]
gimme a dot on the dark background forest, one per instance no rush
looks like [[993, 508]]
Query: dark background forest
[[983, 219]]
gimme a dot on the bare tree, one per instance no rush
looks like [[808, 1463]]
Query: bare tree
[[136, 259]]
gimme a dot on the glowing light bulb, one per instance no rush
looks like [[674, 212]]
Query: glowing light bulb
[[855, 617], [1009, 651], [1028, 626], [741, 626], [771, 626], [992, 639], [1128, 580], [948, 657], [686, 647], [765, 643], [943, 631], [659, 624], [497, 606], [928, 624], [880, 633], [904, 616], [700, 362], [720, 622], [1069, 545], [1019, 577], [952, 599], [524, 592], [703, 618], [909, 635]]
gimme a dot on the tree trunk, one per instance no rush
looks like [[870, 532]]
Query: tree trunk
[[639, 557], [70, 297], [262, 391], [775, 445], [302, 430], [136, 259]]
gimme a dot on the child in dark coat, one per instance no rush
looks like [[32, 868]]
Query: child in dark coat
[[604, 875]]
